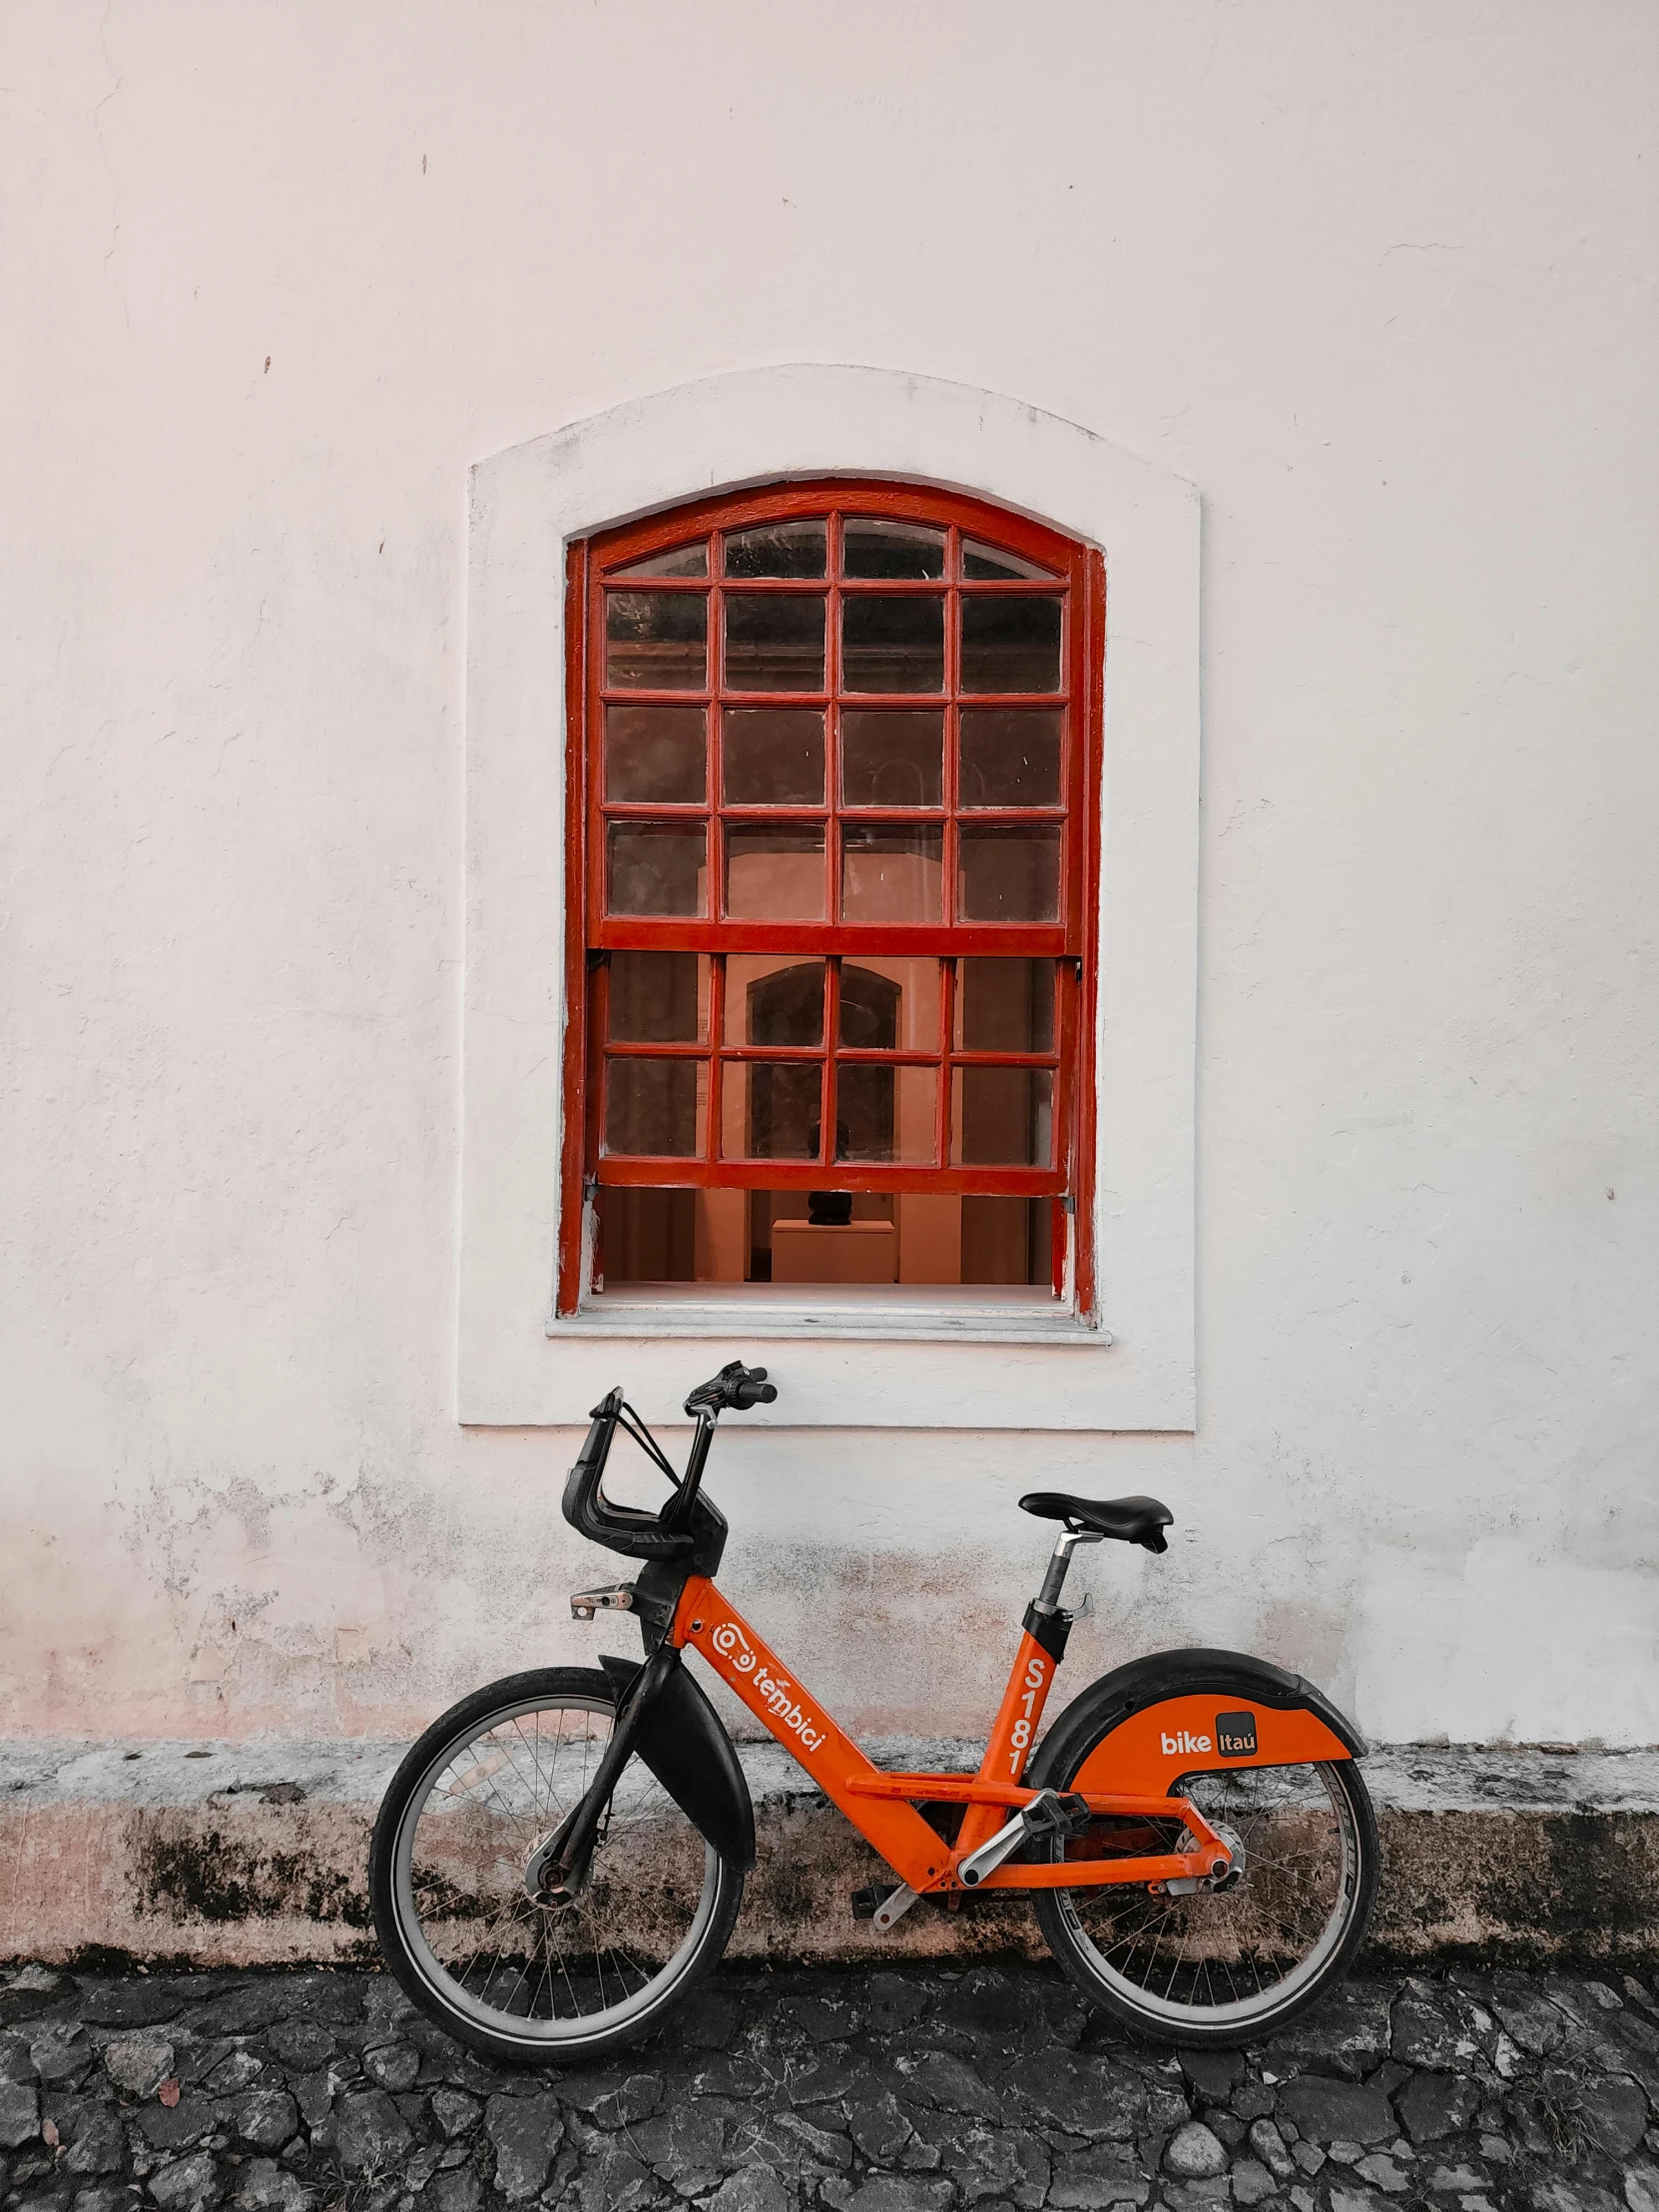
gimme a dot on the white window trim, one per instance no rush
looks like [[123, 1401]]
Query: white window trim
[[926, 1367]]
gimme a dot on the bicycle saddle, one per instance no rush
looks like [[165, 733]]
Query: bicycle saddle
[[1133, 1520]]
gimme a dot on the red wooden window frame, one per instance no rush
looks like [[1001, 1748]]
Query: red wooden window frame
[[1078, 580]]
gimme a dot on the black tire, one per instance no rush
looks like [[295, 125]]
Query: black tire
[[540, 1988], [1229, 1966]]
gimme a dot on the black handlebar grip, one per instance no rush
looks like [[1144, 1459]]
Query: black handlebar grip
[[753, 1392]]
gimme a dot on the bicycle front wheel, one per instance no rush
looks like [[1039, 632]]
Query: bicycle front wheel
[[529, 1984]]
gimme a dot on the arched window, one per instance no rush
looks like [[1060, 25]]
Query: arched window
[[835, 816]]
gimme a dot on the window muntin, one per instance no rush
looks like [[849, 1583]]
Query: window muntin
[[839, 799]]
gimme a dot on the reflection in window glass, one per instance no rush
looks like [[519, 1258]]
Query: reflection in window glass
[[657, 867], [772, 1109], [775, 874], [893, 756], [774, 642], [656, 640], [1000, 1117], [1006, 1005], [891, 874], [653, 1108], [772, 755], [898, 549], [655, 755], [657, 998], [989, 564], [1008, 874], [892, 645], [890, 1005], [885, 1113], [1010, 643], [683, 560], [774, 998], [1010, 757], [776, 549]]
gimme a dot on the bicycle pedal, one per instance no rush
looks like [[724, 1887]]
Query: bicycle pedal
[[867, 1902], [1057, 1813]]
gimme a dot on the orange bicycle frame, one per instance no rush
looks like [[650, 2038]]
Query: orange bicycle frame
[[881, 1806]]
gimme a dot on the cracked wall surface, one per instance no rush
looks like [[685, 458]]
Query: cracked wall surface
[[1379, 285]]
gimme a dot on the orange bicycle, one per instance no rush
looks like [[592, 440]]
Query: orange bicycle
[[561, 1857]]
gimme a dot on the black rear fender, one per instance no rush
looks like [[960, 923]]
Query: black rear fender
[[1140, 1728]]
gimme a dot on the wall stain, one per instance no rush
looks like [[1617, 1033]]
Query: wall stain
[[183, 1872]]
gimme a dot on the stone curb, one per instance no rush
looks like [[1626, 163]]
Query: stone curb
[[252, 1854]]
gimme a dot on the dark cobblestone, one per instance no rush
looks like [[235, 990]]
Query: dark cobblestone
[[986, 2090]]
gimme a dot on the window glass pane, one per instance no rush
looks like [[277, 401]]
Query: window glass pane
[[775, 874], [656, 640], [654, 1108], [890, 1005], [656, 753], [891, 874], [774, 998], [1008, 874], [892, 757], [657, 867], [1002, 1117], [774, 642], [872, 548], [772, 1109], [772, 755], [777, 549], [1010, 644], [989, 564], [683, 560], [1010, 757], [892, 645], [657, 997], [885, 1113], [1006, 1006]]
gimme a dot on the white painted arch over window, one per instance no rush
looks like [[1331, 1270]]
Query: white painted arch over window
[[913, 1365]]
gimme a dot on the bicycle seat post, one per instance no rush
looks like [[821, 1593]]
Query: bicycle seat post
[[1054, 1581]]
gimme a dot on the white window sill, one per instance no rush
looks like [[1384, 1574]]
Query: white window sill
[[943, 1312]]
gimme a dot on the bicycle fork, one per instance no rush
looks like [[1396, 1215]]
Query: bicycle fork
[[557, 1871]]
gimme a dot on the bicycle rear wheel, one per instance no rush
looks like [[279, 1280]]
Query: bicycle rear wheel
[[526, 1982], [1222, 1965]]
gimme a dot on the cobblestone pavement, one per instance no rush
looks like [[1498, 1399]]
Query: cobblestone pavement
[[914, 2091]]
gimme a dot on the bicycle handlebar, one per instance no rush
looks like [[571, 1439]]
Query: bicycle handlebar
[[733, 1390], [673, 1532]]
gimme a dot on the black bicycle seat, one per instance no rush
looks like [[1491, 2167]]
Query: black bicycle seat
[[1132, 1521]]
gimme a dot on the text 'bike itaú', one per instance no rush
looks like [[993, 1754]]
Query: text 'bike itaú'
[[561, 1855]]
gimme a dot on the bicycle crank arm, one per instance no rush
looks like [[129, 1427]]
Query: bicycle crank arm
[[557, 1870]]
